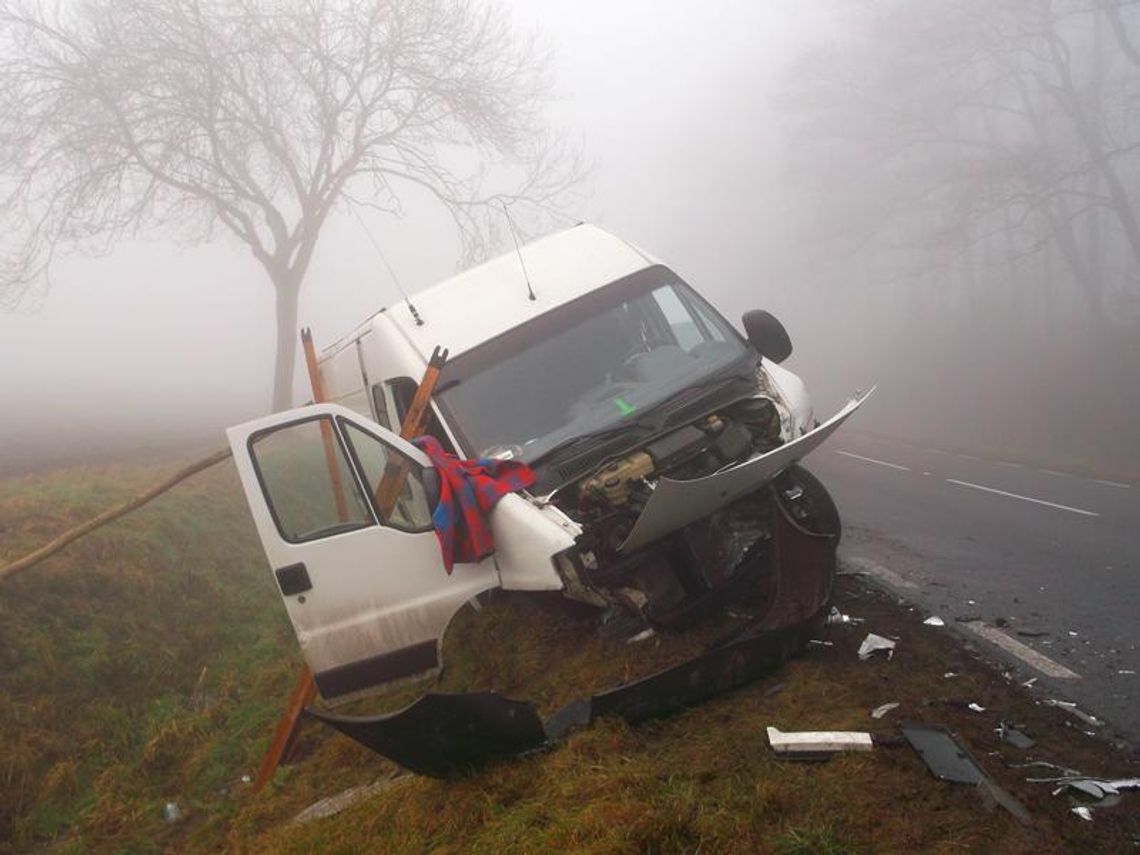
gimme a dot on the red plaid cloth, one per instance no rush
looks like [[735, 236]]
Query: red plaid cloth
[[469, 489]]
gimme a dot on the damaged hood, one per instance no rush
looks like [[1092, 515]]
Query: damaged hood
[[675, 504]]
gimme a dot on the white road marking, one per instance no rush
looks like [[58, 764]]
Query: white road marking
[[873, 460], [1055, 472], [881, 573], [1023, 498], [1023, 652], [1113, 484]]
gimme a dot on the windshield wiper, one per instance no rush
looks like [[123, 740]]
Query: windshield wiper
[[692, 394], [595, 436]]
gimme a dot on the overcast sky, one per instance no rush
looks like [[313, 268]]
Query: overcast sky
[[673, 103]]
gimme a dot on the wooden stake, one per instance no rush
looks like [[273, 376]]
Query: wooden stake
[[138, 501]]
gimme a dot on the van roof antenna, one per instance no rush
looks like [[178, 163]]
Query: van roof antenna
[[518, 249], [396, 279]]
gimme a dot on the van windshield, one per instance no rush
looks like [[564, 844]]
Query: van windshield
[[585, 366]]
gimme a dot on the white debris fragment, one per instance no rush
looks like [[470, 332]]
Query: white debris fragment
[[1125, 671], [245, 779], [879, 712], [835, 617], [1072, 634], [873, 644], [971, 602], [949, 675], [1072, 709], [934, 620], [975, 707], [1029, 682], [641, 636], [819, 642], [1084, 813], [818, 741]]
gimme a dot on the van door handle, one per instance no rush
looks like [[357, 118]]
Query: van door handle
[[293, 579]]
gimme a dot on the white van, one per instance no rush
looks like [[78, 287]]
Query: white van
[[665, 447]]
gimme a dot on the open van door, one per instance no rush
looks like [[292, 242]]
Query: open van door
[[368, 596]]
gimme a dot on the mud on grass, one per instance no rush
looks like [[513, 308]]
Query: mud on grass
[[707, 779]]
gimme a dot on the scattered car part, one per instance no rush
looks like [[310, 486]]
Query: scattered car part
[[1073, 710], [818, 742], [943, 755], [875, 643], [880, 711], [934, 620], [1009, 733]]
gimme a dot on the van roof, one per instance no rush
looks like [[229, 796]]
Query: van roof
[[481, 303]]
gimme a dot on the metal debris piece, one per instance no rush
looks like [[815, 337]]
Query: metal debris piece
[[879, 712], [949, 675], [1072, 709], [819, 642], [943, 755], [934, 620], [819, 741], [1125, 671], [1009, 733], [836, 617], [993, 796], [975, 707], [873, 644], [1084, 813], [342, 801], [1031, 633], [1099, 788], [644, 635], [1029, 682]]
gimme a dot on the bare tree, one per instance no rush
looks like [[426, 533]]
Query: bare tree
[[259, 117]]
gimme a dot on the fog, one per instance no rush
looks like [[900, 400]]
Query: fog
[[777, 157]]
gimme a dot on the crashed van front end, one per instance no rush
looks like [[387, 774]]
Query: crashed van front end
[[668, 488]]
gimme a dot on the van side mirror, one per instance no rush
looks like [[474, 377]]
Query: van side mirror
[[767, 335]]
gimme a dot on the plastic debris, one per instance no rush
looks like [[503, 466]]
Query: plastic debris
[[934, 620], [836, 617], [171, 812], [873, 644], [879, 712], [1009, 733], [975, 707], [949, 675], [822, 741], [644, 635], [943, 755], [1084, 813], [1072, 709]]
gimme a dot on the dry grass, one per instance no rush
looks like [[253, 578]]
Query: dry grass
[[105, 715]]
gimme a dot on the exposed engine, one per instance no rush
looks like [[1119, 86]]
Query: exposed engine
[[673, 581]]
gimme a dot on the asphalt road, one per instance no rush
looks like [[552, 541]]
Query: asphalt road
[[1045, 562]]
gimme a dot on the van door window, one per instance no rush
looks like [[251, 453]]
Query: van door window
[[307, 482], [375, 458]]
